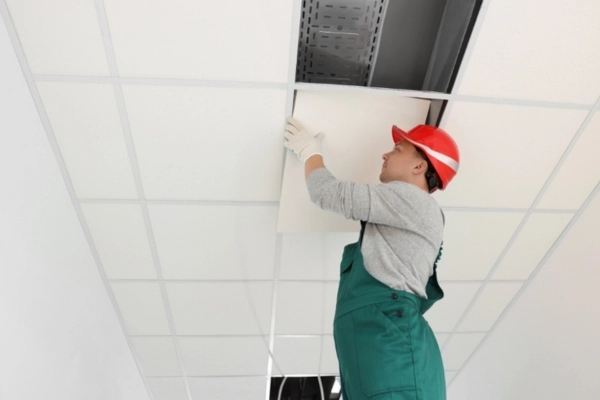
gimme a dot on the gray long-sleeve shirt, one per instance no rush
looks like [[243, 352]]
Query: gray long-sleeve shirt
[[404, 226]]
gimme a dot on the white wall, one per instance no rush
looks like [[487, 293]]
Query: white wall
[[59, 334], [547, 346]]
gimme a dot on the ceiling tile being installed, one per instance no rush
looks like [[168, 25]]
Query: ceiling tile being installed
[[459, 348], [507, 152], [233, 308], [157, 355], [536, 50], [56, 42], [200, 143], [86, 124], [225, 40], [535, 239], [142, 307], [489, 305], [168, 388], [565, 192], [300, 308], [473, 241], [294, 355], [214, 356], [215, 242], [313, 255], [457, 296], [243, 387], [111, 225]]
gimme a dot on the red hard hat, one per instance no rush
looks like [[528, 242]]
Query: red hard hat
[[440, 148]]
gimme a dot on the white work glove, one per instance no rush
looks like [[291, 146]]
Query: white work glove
[[301, 141]]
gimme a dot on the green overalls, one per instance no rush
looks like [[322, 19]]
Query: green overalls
[[386, 349]]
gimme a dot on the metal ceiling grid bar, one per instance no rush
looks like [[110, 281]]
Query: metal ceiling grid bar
[[289, 107], [317, 87], [68, 183], [183, 202], [513, 238], [159, 81], [105, 30]]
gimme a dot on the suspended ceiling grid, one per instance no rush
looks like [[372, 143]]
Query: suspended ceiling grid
[[170, 145]]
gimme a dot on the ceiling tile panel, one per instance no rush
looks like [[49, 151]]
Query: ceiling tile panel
[[60, 37], [331, 289], [300, 308], [441, 338], [195, 143], [215, 242], [536, 50], [444, 315], [489, 306], [313, 256], [450, 375], [168, 388], [225, 40], [579, 174], [473, 241], [86, 124], [157, 356], [228, 388], [329, 361], [227, 356], [120, 237], [296, 355], [507, 152], [224, 308], [459, 348], [534, 241], [142, 307]]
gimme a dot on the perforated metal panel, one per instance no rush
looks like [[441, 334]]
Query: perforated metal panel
[[338, 39]]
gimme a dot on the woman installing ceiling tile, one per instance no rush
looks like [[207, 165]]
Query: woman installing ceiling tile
[[386, 349]]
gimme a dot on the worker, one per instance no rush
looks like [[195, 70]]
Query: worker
[[385, 348]]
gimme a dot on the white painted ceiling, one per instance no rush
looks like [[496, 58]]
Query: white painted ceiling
[[167, 117]]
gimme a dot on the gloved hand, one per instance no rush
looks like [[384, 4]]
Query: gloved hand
[[301, 141]]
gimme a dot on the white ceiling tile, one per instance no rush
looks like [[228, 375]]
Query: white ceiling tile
[[215, 242], [120, 237], [300, 308], [534, 241], [473, 241], [329, 361], [331, 289], [489, 306], [313, 255], [142, 307], [168, 388], [536, 50], [208, 143], [157, 356], [87, 127], [579, 174], [296, 355], [61, 37], [441, 338], [506, 152], [444, 314], [226, 40], [222, 388], [223, 308], [459, 348], [214, 356], [450, 375]]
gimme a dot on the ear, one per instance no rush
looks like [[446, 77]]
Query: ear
[[421, 167]]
